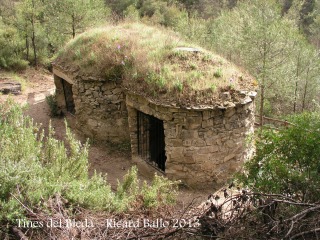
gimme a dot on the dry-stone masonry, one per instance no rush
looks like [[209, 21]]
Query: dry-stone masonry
[[100, 107], [203, 146]]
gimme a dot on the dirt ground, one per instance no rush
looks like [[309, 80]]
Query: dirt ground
[[103, 157]]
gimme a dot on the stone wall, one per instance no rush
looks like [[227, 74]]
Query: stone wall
[[204, 147], [100, 108]]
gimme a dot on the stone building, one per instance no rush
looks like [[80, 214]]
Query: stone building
[[188, 116]]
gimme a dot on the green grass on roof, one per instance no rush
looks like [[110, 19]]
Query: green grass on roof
[[148, 60]]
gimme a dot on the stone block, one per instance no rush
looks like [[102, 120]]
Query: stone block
[[170, 133], [175, 167], [188, 134], [95, 94], [189, 151], [216, 158], [179, 120], [100, 101], [193, 122], [201, 158], [198, 143], [165, 117], [217, 121], [117, 91], [209, 141], [207, 123], [229, 157], [230, 112], [188, 160], [187, 143], [230, 143], [233, 166], [176, 152], [207, 150], [175, 142], [206, 115], [108, 86], [112, 107], [207, 166], [194, 114], [92, 123], [179, 114]]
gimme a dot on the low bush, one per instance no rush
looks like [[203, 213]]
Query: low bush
[[35, 168], [281, 188], [53, 105], [11, 51], [287, 160]]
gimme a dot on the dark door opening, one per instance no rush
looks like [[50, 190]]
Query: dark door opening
[[68, 96], [151, 144]]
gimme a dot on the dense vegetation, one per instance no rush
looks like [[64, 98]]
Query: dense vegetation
[[34, 169], [277, 41], [287, 160], [283, 185]]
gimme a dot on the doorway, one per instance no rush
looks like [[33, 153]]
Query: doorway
[[151, 142], [68, 96]]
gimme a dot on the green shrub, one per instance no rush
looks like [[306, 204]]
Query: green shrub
[[287, 160], [179, 86], [127, 190], [218, 73], [161, 190], [53, 105], [213, 87], [35, 168], [11, 51]]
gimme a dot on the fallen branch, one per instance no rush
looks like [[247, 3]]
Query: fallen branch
[[19, 233], [305, 233], [300, 215]]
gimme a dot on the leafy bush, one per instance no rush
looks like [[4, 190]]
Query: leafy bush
[[34, 168], [287, 160], [11, 49], [160, 190], [53, 105]]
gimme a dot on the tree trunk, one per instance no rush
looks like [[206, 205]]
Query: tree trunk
[[296, 87], [263, 83], [33, 40], [27, 46], [73, 27], [261, 104], [33, 37], [295, 97], [305, 91]]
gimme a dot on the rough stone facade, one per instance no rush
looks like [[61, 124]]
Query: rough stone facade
[[204, 147], [100, 107]]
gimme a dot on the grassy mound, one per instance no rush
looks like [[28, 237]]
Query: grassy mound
[[153, 62]]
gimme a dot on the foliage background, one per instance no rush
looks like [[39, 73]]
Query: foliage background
[[277, 41]]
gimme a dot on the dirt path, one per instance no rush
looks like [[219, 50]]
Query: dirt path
[[104, 158]]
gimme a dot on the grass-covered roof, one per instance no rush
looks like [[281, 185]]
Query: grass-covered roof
[[153, 62]]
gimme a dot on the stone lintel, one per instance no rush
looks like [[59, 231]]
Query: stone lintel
[[62, 75]]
